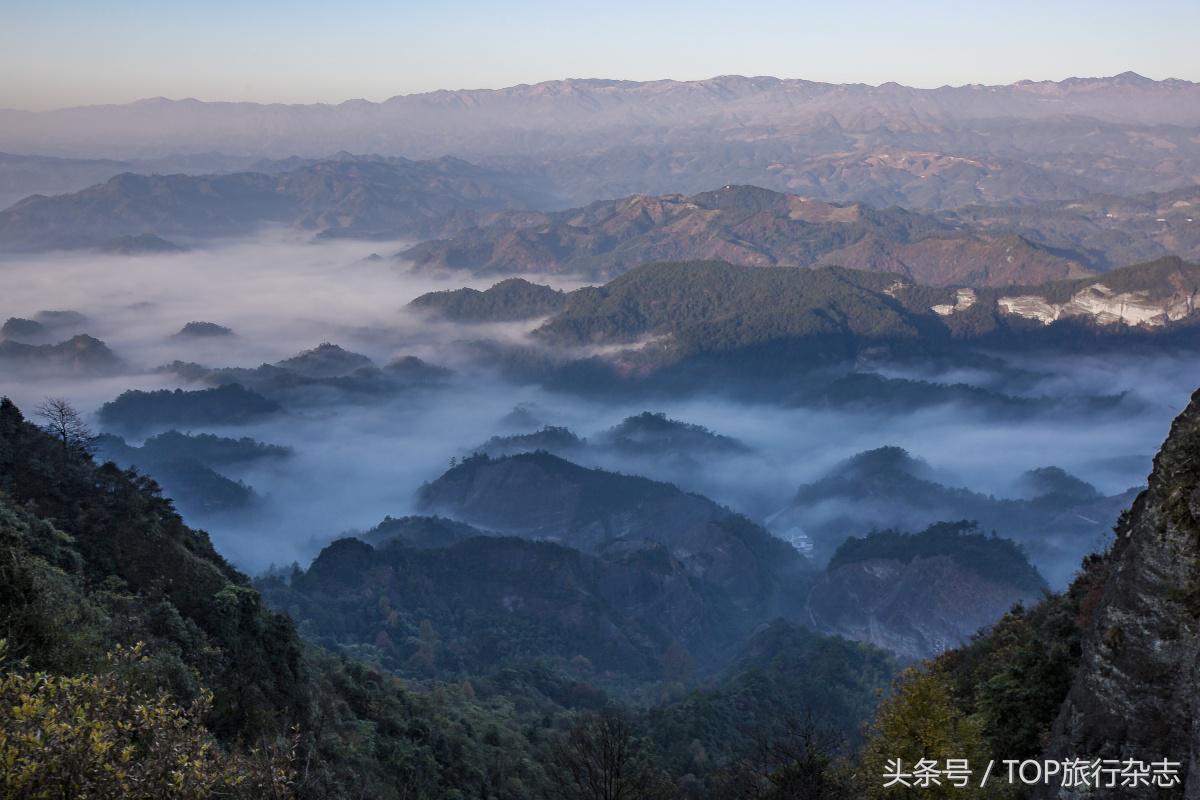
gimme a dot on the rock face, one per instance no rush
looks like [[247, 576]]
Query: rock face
[[918, 595], [1135, 694], [916, 610], [1104, 306]]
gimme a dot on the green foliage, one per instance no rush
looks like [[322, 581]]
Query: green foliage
[[209, 449], [1015, 676], [784, 673], [713, 307], [93, 557], [601, 759], [1001, 560], [921, 720], [509, 300], [651, 432], [231, 404], [102, 736], [161, 581]]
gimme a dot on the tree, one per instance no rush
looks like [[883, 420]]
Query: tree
[[66, 424], [100, 736], [921, 720], [797, 761], [599, 759]]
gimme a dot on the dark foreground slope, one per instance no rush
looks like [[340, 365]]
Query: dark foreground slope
[[93, 557]]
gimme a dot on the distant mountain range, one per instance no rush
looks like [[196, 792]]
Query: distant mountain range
[[978, 246], [341, 196], [471, 219], [884, 145]]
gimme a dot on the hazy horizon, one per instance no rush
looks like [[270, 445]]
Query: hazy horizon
[[73, 54], [600, 79]]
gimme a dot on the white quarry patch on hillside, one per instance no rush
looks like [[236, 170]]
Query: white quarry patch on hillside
[[963, 299], [1104, 306]]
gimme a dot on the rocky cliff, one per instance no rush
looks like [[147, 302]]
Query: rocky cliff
[[1135, 693]]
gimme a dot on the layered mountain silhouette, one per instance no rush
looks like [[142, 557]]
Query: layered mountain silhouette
[[888, 144], [750, 226], [343, 196]]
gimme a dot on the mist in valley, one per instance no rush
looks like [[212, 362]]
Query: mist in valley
[[360, 458]]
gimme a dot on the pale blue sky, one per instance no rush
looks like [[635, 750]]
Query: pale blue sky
[[57, 53]]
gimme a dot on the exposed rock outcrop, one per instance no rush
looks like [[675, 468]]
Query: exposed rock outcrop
[[1136, 693]]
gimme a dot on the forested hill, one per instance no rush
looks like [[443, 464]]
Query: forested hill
[[754, 227], [111, 605], [93, 560], [715, 307]]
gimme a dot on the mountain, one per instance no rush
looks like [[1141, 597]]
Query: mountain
[[782, 666], [123, 624], [23, 175], [541, 496], [198, 490], [202, 330], [551, 439], [342, 196], [419, 532], [145, 244], [1103, 230], [651, 433], [471, 605], [1059, 519], [198, 471], [326, 360], [20, 329], [323, 374], [1105, 669], [1141, 625], [81, 354], [919, 594], [508, 301], [647, 435], [749, 226], [137, 411], [681, 309], [886, 145], [110, 525], [43, 326]]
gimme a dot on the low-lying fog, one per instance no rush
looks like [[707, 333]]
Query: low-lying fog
[[357, 462]]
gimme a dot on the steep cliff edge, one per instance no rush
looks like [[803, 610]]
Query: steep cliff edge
[[1135, 693]]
